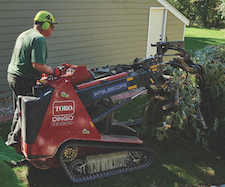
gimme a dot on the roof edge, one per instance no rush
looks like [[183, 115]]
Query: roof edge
[[174, 11]]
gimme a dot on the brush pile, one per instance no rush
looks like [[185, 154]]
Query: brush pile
[[197, 114]]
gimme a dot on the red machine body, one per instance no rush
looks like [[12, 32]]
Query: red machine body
[[66, 117]]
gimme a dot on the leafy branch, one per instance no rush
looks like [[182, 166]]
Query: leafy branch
[[198, 118]]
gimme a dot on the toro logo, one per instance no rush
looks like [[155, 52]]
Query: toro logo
[[61, 108]]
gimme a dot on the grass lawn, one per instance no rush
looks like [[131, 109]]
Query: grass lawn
[[174, 165], [197, 38]]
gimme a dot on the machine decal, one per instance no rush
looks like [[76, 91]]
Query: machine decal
[[85, 131], [61, 123], [132, 87], [60, 108], [164, 86], [152, 80], [154, 68], [110, 89], [91, 123], [64, 94], [130, 78], [62, 118], [62, 112]]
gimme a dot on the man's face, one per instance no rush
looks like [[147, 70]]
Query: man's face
[[48, 32]]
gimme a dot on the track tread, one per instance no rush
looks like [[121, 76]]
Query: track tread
[[108, 173]]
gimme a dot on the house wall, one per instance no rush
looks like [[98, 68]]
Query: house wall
[[174, 28], [90, 32], [174, 32]]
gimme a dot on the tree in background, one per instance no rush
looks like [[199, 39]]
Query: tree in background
[[222, 9], [208, 14], [186, 7], [204, 13]]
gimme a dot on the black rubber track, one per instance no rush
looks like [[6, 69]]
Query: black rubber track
[[118, 147]]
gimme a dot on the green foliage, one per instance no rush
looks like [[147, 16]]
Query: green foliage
[[222, 9], [183, 118], [186, 7], [213, 96], [7, 176], [191, 122], [204, 13], [208, 14], [8, 153]]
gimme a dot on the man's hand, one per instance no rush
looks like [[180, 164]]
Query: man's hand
[[57, 72]]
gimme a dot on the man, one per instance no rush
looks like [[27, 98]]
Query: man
[[28, 62]]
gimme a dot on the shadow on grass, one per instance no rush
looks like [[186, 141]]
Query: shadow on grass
[[5, 129], [194, 43], [142, 178], [174, 165], [195, 166]]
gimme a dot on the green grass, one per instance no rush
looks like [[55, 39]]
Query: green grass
[[174, 164], [133, 110], [4, 129], [197, 38]]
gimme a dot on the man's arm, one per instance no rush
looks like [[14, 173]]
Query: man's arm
[[43, 68]]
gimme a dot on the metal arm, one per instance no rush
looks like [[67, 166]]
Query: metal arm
[[182, 60]]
